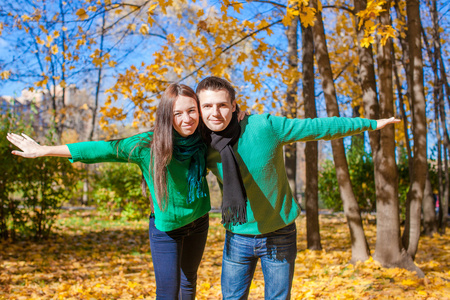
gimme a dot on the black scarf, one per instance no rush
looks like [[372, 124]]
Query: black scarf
[[234, 201]]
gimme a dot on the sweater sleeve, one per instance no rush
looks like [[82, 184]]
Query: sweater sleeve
[[126, 150], [295, 130]]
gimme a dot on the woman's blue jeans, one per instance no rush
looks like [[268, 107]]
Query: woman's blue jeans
[[277, 251], [176, 256]]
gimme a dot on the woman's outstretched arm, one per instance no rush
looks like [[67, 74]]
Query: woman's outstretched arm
[[31, 149]]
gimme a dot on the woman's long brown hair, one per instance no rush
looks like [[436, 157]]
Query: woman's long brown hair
[[162, 142]]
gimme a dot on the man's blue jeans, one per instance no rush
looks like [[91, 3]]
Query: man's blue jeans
[[277, 251], [176, 257]]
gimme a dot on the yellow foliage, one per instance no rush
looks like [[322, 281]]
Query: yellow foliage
[[386, 32], [144, 29], [42, 82], [112, 63], [25, 18], [82, 15], [102, 266], [54, 49], [5, 74]]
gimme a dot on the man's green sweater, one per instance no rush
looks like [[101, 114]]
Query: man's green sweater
[[135, 149], [259, 152]]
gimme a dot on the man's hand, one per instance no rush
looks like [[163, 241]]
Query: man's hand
[[383, 122]]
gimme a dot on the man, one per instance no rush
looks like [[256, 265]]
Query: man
[[259, 210]]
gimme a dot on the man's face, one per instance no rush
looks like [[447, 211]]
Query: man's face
[[216, 109]]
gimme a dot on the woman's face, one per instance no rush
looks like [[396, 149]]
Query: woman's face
[[185, 115]]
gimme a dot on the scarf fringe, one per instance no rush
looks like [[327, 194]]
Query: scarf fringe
[[234, 215]]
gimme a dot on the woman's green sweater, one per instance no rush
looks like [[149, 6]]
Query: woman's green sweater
[[135, 149]]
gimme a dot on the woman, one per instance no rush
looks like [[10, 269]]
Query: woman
[[172, 160]]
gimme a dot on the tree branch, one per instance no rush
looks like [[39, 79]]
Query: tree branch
[[229, 47]]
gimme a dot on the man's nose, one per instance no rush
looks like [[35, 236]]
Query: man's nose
[[215, 110]]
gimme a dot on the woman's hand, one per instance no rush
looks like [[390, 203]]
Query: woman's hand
[[29, 147], [383, 122], [241, 114]]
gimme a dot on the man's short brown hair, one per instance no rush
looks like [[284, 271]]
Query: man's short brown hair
[[213, 83]]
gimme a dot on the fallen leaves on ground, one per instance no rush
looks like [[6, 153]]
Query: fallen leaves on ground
[[92, 258]]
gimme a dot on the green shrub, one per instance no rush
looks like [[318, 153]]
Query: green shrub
[[361, 171], [31, 190], [360, 166], [117, 187]]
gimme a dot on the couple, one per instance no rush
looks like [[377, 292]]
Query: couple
[[258, 208]]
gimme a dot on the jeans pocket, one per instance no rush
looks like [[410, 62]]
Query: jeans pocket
[[287, 230]]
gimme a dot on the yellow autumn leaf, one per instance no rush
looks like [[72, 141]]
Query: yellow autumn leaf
[[81, 13], [286, 19], [200, 13], [54, 49], [144, 29], [367, 41], [44, 30], [409, 282], [237, 6], [308, 15], [5, 74], [25, 18], [39, 40]]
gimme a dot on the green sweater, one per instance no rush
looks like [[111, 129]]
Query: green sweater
[[178, 212], [259, 152]]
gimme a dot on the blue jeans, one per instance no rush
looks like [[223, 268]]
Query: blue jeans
[[277, 251], [176, 256]]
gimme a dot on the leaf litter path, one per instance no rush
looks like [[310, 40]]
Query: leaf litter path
[[93, 258]]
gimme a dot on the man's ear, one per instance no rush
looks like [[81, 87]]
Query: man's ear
[[233, 104]]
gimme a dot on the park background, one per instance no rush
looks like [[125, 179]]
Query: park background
[[89, 70]]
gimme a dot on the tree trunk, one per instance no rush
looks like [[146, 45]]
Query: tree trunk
[[388, 249], [411, 233], [311, 148], [401, 104], [445, 190], [406, 66], [360, 249], [429, 209], [439, 84], [290, 150], [86, 182]]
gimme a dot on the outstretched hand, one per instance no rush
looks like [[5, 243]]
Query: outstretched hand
[[383, 122], [29, 147]]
